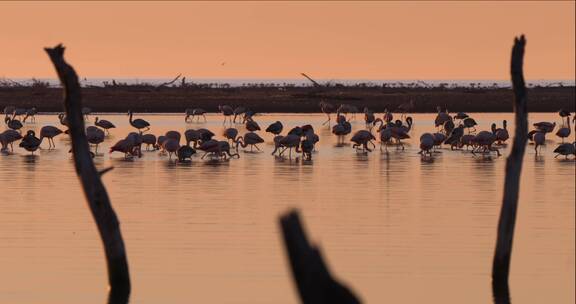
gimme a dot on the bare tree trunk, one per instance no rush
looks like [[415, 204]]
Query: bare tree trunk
[[506, 223], [98, 201], [311, 274]]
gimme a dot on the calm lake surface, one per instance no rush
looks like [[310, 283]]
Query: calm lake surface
[[395, 228]]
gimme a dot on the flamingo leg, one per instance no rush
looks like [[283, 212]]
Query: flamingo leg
[[327, 121]]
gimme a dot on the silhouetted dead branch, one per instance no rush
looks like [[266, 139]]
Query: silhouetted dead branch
[[506, 223], [316, 84], [98, 201], [311, 275], [170, 82]]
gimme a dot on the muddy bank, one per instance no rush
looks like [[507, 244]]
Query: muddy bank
[[295, 99]]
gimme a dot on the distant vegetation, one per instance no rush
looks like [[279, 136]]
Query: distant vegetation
[[183, 83]]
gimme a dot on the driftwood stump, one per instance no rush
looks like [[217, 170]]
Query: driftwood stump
[[94, 190], [507, 220]]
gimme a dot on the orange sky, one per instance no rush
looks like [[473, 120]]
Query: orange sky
[[371, 40]]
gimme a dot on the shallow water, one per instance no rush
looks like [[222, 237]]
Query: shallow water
[[395, 228]]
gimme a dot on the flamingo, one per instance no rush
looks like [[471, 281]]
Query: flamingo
[[467, 140], [538, 137], [501, 134], [19, 112], [348, 109], [289, 142], [50, 132], [460, 116], [566, 149], [252, 125], [307, 146], [310, 136], [149, 140], [395, 130], [455, 136], [369, 118], [426, 144], [296, 131], [171, 145], [441, 117], [187, 113], [185, 152], [249, 139], [12, 123], [210, 146], [160, 141], [388, 117], [30, 142], [248, 115], [238, 111], [196, 112], [409, 122], [565, 115], [545, 126], [125, 146], [32, 114], [439, 138], [138, 123], [224, 149], [173, 135], [104, 124], [8, 137], [63, 120], [341, 130], [95, 136], [227, 111], [9, 110], [399, 132], [484, 140], [326, 108], [136, 139], [276, 141], [217, 148], [469, 123], [448, 127], [192, 135], [205, 134], [385, 131], [564, 131], [275, 128], [405, 108], [362, 138], [231, 134], [86, 111]]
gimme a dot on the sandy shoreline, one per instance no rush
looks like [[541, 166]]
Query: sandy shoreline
[[296, 99]]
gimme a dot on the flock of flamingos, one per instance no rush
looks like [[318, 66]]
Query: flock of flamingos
[[456, 131]]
